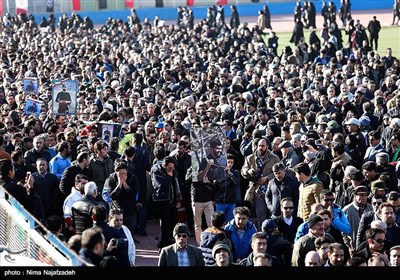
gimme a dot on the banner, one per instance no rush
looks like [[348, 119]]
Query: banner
[[189, 2], [208, 148], [50, 6], [129, 4], [102, 4], [222, 2], [1, 7], [21, 6], [159, 3], [76, 5], [64, 97]]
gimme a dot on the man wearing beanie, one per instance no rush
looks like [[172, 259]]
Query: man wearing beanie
[[306, 243], [181, 253], [221, 254]]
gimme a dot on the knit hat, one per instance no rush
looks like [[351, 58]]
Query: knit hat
[[376, 185], [218, 246], [181, 228], [313, 220]]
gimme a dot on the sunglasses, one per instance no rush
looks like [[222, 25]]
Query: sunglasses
[[376, 203], [288, 208], [329, 199], [182, 235], [380, 241]]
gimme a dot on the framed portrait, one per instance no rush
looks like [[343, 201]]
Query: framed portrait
[[208, 146], [106, 131], [33, 106], [31, 86], [64, 98]]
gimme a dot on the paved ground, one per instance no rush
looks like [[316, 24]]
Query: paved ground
[[146, 249]]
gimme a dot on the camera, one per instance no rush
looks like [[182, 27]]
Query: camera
[[119, 242]]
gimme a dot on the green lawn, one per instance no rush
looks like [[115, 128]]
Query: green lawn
[[388, 37]]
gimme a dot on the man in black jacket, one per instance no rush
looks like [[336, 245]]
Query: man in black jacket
[[120, 192], [78, 167]]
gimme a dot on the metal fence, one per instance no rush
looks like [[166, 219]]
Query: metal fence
[[26, 242]]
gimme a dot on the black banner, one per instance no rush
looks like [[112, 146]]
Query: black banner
[[159, 3], [50, 6], [102, 4]]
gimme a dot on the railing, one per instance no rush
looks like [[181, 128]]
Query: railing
[[24, 241]]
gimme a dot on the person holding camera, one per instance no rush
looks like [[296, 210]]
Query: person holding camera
[[126, 254]]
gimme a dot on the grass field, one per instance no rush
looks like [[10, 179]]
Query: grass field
[[388, 37]]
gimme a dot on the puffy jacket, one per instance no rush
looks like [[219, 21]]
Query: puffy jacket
[[165, 187]]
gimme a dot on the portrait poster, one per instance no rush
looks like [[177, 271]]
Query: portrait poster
[[208, 146], [64, 98], [31, 86], [33, 107], [106, 131]]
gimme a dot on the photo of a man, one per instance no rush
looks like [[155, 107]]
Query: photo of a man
[[64, 97], [64, 100]]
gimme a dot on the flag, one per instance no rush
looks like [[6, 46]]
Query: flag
[[50, 6], [222, 2], [76, 5], [1, 7], [159, 3], [129, 4], [21, 6], [189, 2]]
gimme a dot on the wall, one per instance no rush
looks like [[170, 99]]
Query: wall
[[146, 8]]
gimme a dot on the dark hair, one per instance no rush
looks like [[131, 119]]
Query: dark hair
[[321, 240], [91, 237], [218, 219], [372, 232], [302, 167], [278, 167], [242, 210], [54, 223], [129, 152], [338, 147], [82, 156], [62, 146], [356, 261], [79, 177], [114, 142], [167, 160], [100, 145], [230, 156], [6, 166], [120, 165], [393, 195], [99, 213]]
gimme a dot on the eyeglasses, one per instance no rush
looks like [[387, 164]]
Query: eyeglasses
[[329, 199], [288, 208], [380, 241], [376, 203], [184, 235]]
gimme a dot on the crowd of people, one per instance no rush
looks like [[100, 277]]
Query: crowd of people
[[311, 138]]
